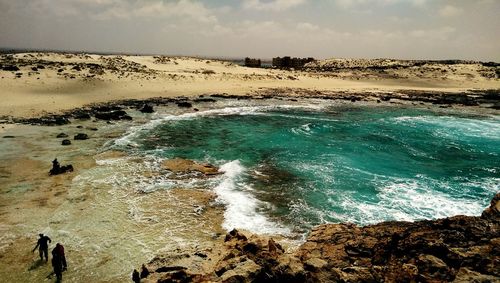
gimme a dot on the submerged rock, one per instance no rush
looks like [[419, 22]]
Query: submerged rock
[[458, 249], [66, 142]]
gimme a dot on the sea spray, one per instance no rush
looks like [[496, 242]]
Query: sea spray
[[241, 207]]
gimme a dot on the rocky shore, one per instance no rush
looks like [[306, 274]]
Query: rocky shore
[[116, 110], [454, 249]]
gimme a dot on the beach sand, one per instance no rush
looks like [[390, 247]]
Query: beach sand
[[51, 83]]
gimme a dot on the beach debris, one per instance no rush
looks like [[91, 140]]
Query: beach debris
[[81, 136]]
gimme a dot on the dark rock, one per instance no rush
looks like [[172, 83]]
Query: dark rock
[[61, 170], [80, 115], [112, 115], [8, 137], [62, 135], [10, 68], [184, 104], [169, 268], [66, 142], [79, 127], [146, 108], [81, 136]]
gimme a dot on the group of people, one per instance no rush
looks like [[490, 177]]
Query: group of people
[[58, 257]]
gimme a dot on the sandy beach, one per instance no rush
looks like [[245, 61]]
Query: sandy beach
[[51, 82]]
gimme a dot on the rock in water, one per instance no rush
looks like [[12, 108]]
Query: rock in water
[[147, 109], [66, 142], [62, 135], [184, 104]]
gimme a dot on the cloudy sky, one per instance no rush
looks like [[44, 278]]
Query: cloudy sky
[[409, 29]]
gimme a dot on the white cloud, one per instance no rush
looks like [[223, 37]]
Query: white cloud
[[307, 27], [450, 11], [274, 5], [348, 4], [438, 33]]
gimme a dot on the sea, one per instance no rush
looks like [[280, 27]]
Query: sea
[[286, 166]]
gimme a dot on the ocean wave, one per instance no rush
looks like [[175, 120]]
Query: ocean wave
[[241, 207], [409, 200], [452, 126]]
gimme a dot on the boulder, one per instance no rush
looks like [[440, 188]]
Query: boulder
[[146, 108], [184, 104], [81, 136], [66, 142], [493, 211], [112, 115]]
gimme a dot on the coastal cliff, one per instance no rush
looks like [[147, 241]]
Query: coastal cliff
[[458, 249]]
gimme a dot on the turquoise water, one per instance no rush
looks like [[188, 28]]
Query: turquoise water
[[289, 168]]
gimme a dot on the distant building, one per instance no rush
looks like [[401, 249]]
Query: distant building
[[288, 62], [253, 63]]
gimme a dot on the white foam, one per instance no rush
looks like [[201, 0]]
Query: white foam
[[451, 126], [408, 200], [241, 207]]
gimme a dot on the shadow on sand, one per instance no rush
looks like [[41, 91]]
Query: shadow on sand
[[36, 264]]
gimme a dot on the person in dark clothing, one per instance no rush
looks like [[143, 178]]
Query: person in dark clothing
[[57, 264], [59, 249], [135, 276], [144, 271], [56, 167], [43, 246]]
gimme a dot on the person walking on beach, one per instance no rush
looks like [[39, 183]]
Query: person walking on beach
[[57, 264], [43, 246], [59, 250]]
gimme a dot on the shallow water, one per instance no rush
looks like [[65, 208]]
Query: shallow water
[[287, 166]]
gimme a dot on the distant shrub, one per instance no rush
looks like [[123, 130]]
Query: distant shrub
[[208, 72]]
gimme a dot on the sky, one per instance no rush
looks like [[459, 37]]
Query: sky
[[403, 29]]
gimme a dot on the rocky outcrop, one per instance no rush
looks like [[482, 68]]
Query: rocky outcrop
[[454, 249], [184, 166]]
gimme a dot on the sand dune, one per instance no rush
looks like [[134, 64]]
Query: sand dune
[[34, 84]]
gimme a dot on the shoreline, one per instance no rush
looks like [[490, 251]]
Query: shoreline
[[487, 99]]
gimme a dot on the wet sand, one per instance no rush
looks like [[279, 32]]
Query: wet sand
[[106, 231]]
